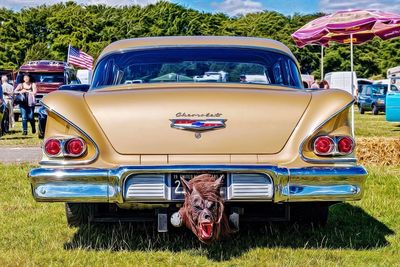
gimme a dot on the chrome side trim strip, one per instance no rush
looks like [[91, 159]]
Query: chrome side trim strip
[[321, 190], [328, 171], [87, 192], [325, 161], [66, 162]]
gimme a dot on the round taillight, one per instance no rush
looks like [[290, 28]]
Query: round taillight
[[324, 145], [52, 147], [345, 145], [75, 147]]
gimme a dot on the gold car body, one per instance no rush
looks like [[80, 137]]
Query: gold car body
[[268, 131]]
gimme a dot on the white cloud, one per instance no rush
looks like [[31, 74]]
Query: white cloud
[[329, 6], [238, 7], [18, 4]]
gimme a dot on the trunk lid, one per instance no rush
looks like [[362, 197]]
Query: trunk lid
[[138, 121]]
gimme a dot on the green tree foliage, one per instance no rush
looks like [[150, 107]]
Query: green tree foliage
[[38, 51], [44, 32]]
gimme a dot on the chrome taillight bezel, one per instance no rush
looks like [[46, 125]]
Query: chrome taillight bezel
[[75, 155], [332, 149], [64, 142], [338, 138], [335, 151], [52, 155]]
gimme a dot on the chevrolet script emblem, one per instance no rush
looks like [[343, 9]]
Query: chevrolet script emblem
[[198, 125]]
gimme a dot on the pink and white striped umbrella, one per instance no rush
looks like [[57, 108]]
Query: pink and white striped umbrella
[[362, 25]]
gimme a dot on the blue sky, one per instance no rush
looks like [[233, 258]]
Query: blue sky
[[238, 7]]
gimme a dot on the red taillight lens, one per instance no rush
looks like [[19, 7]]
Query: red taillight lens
[[75, 147], [52, 147], [324, 145], [345, 145]]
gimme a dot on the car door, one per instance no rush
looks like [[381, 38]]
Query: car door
[[369, 98], [363, 97]]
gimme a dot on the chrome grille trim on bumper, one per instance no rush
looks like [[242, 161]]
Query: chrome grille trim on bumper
[[249, 186], [146, 187]]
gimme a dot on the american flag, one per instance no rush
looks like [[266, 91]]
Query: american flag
[[79, 58]]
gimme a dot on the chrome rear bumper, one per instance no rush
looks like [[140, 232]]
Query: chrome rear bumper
[[151, 183]]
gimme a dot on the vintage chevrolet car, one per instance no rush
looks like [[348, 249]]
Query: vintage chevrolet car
[[118, 151]]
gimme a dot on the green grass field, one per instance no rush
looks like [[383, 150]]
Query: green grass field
[[358, 234], [368, 125], [15, 137]]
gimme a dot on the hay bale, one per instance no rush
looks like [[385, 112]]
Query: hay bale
[[382, 151]]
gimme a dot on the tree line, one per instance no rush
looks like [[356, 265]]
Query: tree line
[[44, 32]]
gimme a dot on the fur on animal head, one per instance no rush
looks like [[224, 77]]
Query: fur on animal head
[[203, 209]]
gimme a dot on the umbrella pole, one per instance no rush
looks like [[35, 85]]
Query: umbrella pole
[[322, 62], [352, 82]]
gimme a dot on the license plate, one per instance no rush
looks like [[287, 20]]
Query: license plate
[[177, 191]]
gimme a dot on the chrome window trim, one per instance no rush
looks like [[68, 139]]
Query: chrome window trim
[[67, 162], [331, 160]]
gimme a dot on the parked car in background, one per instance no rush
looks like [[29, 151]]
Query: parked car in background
[[361, 83], [48, 75], [212, 76], [342, 80], [84, 76], [124, 152], [393, 95], [372, 98]]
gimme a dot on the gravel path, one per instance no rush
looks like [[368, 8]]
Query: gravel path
[[20, 154]]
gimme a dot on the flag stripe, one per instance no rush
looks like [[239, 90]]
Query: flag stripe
[[79, 58]]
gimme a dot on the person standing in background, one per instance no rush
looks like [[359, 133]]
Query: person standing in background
[[28, 89], [324, 84], [8, 94], [2, 108], [315, 84]]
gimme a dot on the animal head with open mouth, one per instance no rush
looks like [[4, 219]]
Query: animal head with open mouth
[[203, 209]]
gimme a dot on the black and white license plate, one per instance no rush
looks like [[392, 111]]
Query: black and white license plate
[[177, 191]]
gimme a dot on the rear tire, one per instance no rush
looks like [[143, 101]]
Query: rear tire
[[375, 110], [361, 110], [309, 213], [79, 214]]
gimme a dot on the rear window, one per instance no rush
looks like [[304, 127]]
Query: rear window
[[197, 65], [376, 89], [43, 77]]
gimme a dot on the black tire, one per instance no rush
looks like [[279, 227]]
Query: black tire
[[79, 214], [16, 117], [375, 110], [312, 213], [361, 110]]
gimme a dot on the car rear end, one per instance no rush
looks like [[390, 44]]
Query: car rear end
[[282, 151]]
